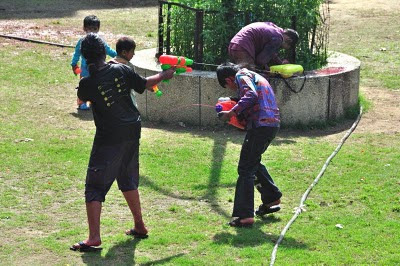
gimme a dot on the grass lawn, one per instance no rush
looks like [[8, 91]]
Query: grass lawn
[[188, 175]]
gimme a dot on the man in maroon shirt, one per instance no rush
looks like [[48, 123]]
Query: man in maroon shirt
[[258, 44]]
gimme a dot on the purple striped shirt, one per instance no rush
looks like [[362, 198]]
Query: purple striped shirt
[[257, 102]]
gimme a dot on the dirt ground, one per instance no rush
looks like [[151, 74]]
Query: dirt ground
[[383, 116]]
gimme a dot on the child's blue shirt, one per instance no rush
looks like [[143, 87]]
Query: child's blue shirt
[[77, 55]]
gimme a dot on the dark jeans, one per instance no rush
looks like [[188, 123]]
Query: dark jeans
[[253, 173]]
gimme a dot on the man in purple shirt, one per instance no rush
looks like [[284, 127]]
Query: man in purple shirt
[[258, 44], [256, 104]]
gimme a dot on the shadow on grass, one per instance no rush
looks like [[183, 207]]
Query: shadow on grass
[[122, 253], [254, 236], [84, 115], [58, 8], [211, 195], [222, 136]]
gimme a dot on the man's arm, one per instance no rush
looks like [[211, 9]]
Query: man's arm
[[157, 78], [110, 51], [77, 54], [250, 96]]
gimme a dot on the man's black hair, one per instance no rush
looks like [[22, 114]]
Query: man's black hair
[[91, 21], [226, 70], [125, 44], [293, 35], [92, 49]]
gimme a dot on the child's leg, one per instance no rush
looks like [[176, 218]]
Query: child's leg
[[93, 210], [79, 101], [133, 200], [128, 183], [255, 143], [250, 156], [263, 180], [83, 105], [266, 186]]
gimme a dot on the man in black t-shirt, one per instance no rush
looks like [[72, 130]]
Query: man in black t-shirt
[[115, 151], [114, 114]]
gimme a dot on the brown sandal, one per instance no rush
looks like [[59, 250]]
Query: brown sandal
[[238, 223]]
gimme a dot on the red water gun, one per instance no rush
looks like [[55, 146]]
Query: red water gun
[[226, 104], [180, 62]]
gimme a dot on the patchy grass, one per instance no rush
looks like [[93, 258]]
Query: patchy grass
[[370, 33], [62, 21]]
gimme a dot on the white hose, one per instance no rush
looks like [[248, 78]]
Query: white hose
[[305, 195]]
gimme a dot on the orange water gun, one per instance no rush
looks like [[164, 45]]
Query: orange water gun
[[180, 62], [226, 104]]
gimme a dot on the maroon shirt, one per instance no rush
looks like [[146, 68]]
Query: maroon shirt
[[262, 40]]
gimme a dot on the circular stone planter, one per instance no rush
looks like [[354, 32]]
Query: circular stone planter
[[316, 97]]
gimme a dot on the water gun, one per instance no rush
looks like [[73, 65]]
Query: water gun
[[157, 91], [286, 70], [226, 104], [181, 63], [77, 70]]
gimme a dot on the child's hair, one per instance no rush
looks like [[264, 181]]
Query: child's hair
[[293, 35], [91, 21], [92, 49], [125, 44], [226, 70]]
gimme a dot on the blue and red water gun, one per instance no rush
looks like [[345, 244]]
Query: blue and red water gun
[[226, 104]]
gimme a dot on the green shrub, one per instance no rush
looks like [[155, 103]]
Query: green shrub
[[223, 18]]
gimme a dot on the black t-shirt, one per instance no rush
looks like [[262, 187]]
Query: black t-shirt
[[115, 116]]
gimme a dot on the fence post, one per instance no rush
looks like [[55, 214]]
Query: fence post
[[160, 31], [292, 51], [168, 29], [198, 38], [246, 18]]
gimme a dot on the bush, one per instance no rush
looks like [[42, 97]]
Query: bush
[[222, 19]]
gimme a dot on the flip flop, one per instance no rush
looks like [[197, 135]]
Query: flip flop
[[135, 234], [85, 248], [238, 223]]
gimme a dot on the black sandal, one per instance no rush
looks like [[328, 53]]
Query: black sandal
[[237, 223], [84, 248]]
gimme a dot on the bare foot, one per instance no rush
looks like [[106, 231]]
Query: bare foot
[[247, 220]]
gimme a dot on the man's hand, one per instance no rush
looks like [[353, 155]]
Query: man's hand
[[168, 74], [225, 115]]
